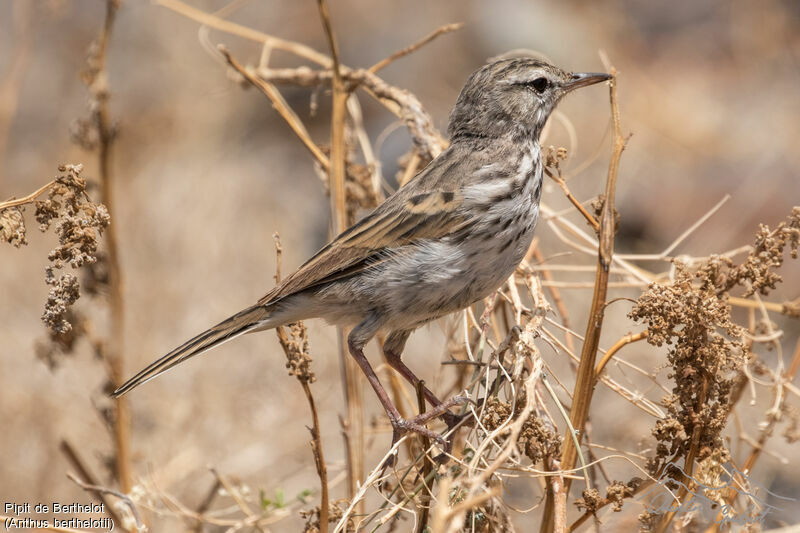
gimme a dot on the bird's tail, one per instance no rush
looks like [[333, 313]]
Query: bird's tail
[[252, 318]]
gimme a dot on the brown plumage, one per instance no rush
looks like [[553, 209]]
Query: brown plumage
[[449, 237]]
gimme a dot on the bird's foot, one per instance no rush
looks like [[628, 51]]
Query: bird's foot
[[416, 424]]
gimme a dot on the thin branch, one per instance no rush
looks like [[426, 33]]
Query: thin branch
[[766, 431], [15, 202], [96, 78], [280, 106], [556, 294], [627, 339], [77, 463], [441, 30], [694, 226], [427, 466], [91, 487], [205, 505], [556, 495], [400, 102], [354, 424], [585, 381], [785, 308], [207, 19], [578, 205], [305, 379]]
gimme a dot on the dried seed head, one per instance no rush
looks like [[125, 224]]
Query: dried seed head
[[12, 226]]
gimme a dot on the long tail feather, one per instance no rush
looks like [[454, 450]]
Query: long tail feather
[[230, 328]]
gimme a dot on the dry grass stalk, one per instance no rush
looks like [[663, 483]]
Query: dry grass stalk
[[94, 488], [441, 30], [96, 79], [353, 423], [299, 364], [75, 460], [584, 386]]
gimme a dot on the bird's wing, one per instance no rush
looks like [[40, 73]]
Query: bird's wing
[[410, 215]]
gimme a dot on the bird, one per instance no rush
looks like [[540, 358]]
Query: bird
[[446, 239]]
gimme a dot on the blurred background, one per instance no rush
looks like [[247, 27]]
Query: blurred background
[[206, 172]]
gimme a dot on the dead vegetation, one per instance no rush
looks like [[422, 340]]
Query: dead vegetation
[[532, 422]]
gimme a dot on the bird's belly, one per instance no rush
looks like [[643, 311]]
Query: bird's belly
[[438, 277]]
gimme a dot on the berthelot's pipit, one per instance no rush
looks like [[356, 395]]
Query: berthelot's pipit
[[449, 237]]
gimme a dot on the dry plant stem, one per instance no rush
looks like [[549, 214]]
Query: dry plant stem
[[400, 102], [769, 306], [578, 205], [205, 505], [368, 482], [280, 106], [233, 492], [478, 479], [441, 30], [585, 382], [77, 463], [113, 353], [207, 19], [688, 465], [766, 431], [427, 465], [627, 339], [353, 424], [15, 202], [91, 487], [556, 496], [572, 431], [316, 439], [319, 460], [559, 302], [339, 114]]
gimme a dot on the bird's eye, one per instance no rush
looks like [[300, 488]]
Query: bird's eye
[[540, 84]]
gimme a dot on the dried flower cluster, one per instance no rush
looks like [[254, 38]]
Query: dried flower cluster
[[12, 226], [536, 440], [78, 225], [298, 358], [64, 292], [757, 274], [693, 317], [706, 348], [335, 513], [616, 492], [79, 221], [359, 190]]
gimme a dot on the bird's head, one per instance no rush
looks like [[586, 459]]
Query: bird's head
[[513, 95]]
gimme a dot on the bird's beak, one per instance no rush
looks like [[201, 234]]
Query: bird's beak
[[584, 79]]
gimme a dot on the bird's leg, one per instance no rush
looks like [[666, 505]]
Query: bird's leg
[[392, 350], [399, 424], [439, 407]]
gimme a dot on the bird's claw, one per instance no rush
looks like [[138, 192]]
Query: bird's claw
[[417, 425]]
